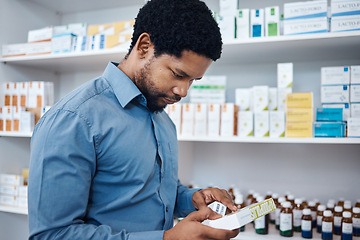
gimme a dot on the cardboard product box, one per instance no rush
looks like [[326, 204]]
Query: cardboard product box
[[355, 74], [243, 23], [39, 48], [285, 75], [22, 202], [188, 117], [80, 44], [305, 9], [120, 41], [335, 94], [11, 179], [260, 98], [273, 92], [243, 98], [299, 130], [111, 28], [8, 118], [272, 21], [228, 6], [355, 110], [228, 125], [353, 127], [23, 191], [344, 106], [214, 112], [9, 200], [200, 128], [62, 43], [16, 118], [355, 93], [329, 115], [15, 92], [23, 94], [243, 216], [78, 29], [41, 94], [14, 50], [211, 89], [329, 129], [277, 124], [261, 124], [345, 7], [306, 26], [2, 124], [10, 190], [257, 23], [282, 93], [299, 100], [335, 75], [294, 115], [96, 42], [27, 121], [345, 23], [245, 124], [175, 111], [227, 25], [7, 93], [40, 35]]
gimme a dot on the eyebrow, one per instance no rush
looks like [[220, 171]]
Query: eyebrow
[[184, 73]]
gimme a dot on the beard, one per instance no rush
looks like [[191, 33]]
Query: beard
[[147, 87]]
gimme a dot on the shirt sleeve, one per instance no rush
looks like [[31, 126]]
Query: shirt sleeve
[[62, 165], [184, 204]]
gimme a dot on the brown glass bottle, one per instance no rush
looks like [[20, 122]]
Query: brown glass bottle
[[286, 219], [327, 226], [330, 206], [297, 212], [356, 221], [346, 226], [341, 202], [357, 204], [313, 208], [249, 197], [306, 224], [337, 219], [277, 212], [319, 217], [275, 197]]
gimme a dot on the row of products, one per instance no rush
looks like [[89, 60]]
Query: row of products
[[76, 37], [297, 18], [14, 189]]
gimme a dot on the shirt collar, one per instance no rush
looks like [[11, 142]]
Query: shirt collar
[[125, 90]]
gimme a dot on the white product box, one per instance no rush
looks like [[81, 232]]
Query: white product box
[[41, 94], [345, 7], [80, 44], [228, 120], [257, 23], [200, 128], [122, 27], [188, 116], [62, 43], [27, 121], [353, 127], [335, 75], [243, 23], [13, 50], [282, 92], [243, 216], [355, 93], [345, 23], [1, 120], [272, 21], [23, 94], [355, 74], [260, 98], [261, 124], [7, 93], [79, 29], [228, 6], [227, 27], [22, 202], [344, 106], [9, 200], [214, 111], [96, 42], [7, 116], [11, 179], [23, 191], [16, 118], [9, 190], [307, 9], [355, 110], [273, 99], [245, 124], [218, 208], [211, 89], [243, 97], [14, 89], [277, 124], [40, 35], [39, 48], [285, 73], [175, 115], [305, 26], [335, 94]]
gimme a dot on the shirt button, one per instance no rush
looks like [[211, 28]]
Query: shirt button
[[166, 209]]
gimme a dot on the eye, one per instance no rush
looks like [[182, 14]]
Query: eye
[[177, 75]]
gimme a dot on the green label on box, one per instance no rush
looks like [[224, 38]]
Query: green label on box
[[273, 29], [272, 11], [240, 14]]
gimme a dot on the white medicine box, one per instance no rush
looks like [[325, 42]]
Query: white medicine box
[[200, 128], [214, 120]]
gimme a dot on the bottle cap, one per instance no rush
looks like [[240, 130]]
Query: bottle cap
[[347, 205], [312, 204], [239, 199], [330, 205], [268, 192], [321, 208], [260, 198], [346, 214], [275, 195], [347, 202], [338, 209], [286, 204], [291, 197], [331, 201], [327, 213], [356, 210], [298, 201], [281, 199], [316, 200], [306, 211]]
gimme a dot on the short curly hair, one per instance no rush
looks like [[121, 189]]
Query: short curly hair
[[178, 25]]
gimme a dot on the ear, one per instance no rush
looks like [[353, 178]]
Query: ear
[[144, 46]]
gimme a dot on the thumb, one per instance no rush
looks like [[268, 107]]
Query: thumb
[[203, 214]]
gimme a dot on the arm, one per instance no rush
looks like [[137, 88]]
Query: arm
[[62, 165], [184, 204]]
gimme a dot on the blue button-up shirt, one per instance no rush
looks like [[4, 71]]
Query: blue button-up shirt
[[104, 167]]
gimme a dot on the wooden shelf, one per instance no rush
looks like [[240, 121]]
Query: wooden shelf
[[15, 134], [16, 210]]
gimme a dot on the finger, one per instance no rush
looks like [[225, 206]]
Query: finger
[[220, 234], [199, 200], [224, 198], [203, 214]]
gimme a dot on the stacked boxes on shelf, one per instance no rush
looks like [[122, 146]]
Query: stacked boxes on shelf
[[13, 189], [329, 123], [354, 120], [345, 15]]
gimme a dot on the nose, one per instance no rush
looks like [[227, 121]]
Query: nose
[[182, 88]]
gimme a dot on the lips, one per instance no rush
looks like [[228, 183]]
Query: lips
[[169, 100]]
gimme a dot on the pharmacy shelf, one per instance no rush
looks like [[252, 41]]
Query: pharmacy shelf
[[17, 210], [15, 134], [236, 139], [321, 46]]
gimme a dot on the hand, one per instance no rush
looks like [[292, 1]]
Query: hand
[[203, 197], [191, 228]]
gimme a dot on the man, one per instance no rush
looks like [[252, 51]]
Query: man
[[104, 158]]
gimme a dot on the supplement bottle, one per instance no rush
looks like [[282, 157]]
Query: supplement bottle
[[341, 202], [356, 221], [337, 219], [319, 217], [347, 206], [286, 217], [239, 203], [291, 199], [306, 224], [297, 212], [277, 212], [304, 203], [312, 207], [249, 197], [268, 195], [262, 223], [327, 226], [330, 206], [346, 226], [357, 204], [275, 197]]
